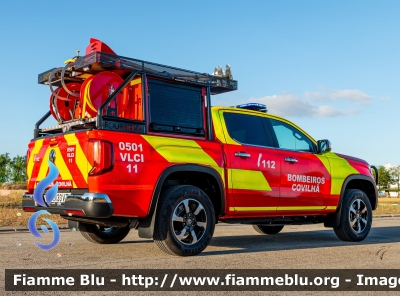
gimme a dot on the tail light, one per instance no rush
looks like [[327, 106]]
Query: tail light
[[29, 209], [74, 212], [101, 156]]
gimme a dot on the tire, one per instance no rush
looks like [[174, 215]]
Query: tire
[[100, 235], [185, 221], [264, 229], [356, 216]]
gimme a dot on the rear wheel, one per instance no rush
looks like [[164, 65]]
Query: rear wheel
[[266, 229], [103, 235], [356, 216], [185, 221]]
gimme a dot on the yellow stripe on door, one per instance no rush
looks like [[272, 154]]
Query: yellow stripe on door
[[248, 179], [183, 151]]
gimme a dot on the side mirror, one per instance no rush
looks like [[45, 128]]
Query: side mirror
[[324, 146]]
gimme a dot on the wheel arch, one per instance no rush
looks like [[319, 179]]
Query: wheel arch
[[177, 173], [361, 182]]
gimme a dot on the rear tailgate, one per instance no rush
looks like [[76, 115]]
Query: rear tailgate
[[69, 151]]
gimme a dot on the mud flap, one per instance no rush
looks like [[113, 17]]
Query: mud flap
[[146, 226]]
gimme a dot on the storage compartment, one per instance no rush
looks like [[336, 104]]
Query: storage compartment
[[176, 108]]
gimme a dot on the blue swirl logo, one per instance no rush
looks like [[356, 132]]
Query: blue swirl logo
[[35, 232], [41, 186], [48, 198]]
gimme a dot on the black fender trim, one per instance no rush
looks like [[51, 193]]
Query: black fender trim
[[333, 220], [146, 225]]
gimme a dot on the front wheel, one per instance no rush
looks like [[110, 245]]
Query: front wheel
[[185, 221], [356, 216], [103, 235]]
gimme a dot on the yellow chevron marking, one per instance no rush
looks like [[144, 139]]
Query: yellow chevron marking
[[248, 179], [325, 162], [81, 160], [183, 151], [60, 164], [341, 169], [180, 150], [35, 150]]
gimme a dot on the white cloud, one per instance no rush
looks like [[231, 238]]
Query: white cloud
[[335, 95], [288, 104], [310, 104]]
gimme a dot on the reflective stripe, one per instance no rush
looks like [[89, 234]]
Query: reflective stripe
[[266, 209], [306, 208], [325, 162], [253, 209], [331, 208], [248, 179], [183, 151], [342, 170], [81, 160], [35, 150], [60, 164]]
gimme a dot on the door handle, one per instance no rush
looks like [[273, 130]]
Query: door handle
[[291, 160], [242, 154]]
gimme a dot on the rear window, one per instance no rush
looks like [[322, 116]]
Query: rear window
[[175, 108]]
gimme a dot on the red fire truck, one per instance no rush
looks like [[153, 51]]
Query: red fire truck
[[139, 146]]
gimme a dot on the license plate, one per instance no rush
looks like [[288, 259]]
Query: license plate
[[60, 198]]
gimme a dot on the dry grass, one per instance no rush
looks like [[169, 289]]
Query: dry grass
[[12, 200], [17, 217], [11, 213], [387, 209], [388, 206], [386, 200], [14, 186]]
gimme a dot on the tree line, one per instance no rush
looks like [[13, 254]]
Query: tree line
[[12, 169], [389, 178]]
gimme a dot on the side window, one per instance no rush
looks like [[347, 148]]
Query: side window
[[289, 137], [246, 129]]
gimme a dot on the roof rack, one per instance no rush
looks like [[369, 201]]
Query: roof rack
[[100, 61]]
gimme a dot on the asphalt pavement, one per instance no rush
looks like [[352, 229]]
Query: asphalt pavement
[[232, 247]]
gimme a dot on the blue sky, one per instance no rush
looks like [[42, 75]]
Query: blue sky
[[332, 67]]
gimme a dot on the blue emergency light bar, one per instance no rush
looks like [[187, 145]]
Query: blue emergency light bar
[[253, 106]]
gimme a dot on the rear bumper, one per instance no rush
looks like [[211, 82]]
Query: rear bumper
[[96, 205]]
